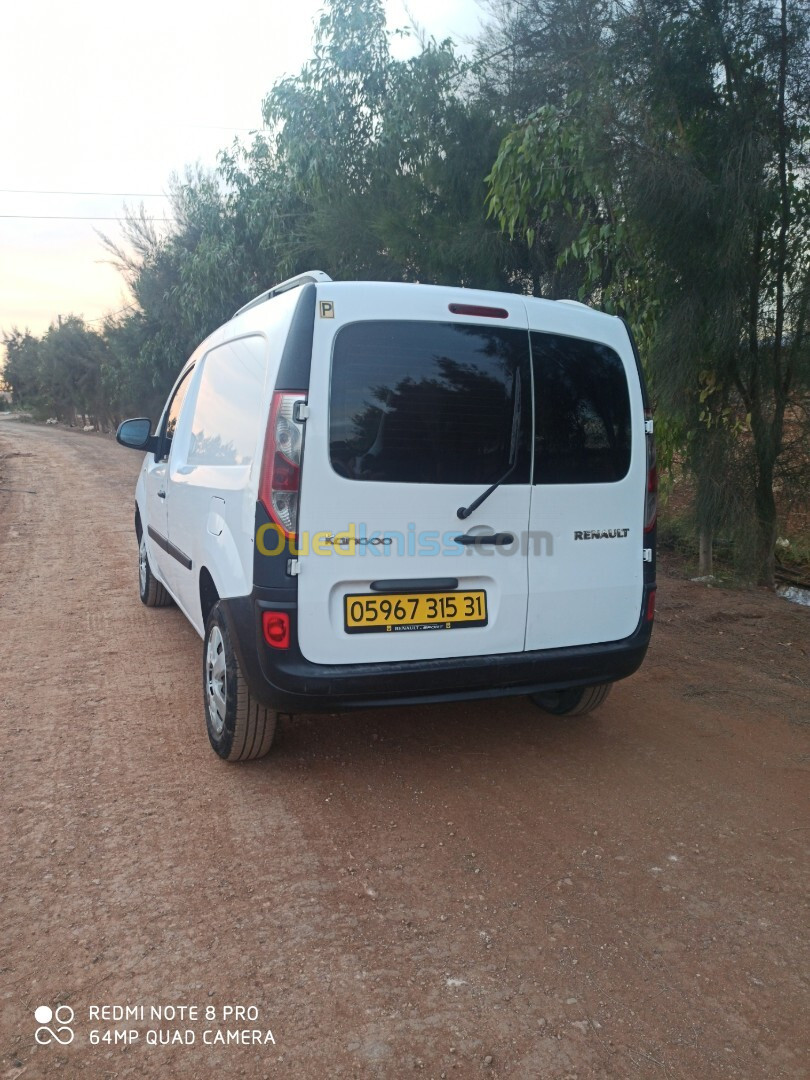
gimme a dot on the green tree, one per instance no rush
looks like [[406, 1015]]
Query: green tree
[[682, 169], [372, 168], [376, 166], [60, 374], [20, 373]]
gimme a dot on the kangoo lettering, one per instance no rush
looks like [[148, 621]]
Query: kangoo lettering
[[344, 541]]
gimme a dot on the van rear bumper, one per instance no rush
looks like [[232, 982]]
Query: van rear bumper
[[285, 680]]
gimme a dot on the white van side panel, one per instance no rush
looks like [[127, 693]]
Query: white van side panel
[[152, 486], [211, 505]]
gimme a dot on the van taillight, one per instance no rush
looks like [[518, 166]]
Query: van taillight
[[651, 502], [281, 462]]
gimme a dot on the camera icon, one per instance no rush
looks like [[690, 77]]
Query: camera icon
[[63, 1018]]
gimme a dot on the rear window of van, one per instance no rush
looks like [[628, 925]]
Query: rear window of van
[[430, 403], [582, 412]]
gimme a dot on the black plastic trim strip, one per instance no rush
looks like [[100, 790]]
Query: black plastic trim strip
[[296, 359], [406, 585], [650, 535], [645, 397], [169, 548]]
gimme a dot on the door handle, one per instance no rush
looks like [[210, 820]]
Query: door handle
[[476, 539], [161, 494]]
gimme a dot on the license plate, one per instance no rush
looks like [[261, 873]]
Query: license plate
[[399, 612]]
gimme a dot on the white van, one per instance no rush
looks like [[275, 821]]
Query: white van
[[364, 494]]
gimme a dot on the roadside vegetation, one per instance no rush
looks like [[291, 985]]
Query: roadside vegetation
[[649, 157]]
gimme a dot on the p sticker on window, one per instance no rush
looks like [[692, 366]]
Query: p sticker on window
[[327, 309]]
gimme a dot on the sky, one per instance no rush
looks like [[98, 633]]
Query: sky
[[109, 101]]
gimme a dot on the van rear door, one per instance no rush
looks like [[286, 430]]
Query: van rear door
[[587, 503], [416, 406]]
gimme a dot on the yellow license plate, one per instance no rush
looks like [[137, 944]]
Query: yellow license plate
[[392, 612]]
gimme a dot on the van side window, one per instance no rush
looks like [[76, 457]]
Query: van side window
[[429, 403], [582, 412], [173, 414], [225, 425]]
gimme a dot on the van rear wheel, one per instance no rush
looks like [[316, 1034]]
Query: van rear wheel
[[575, 701], [239, 727]]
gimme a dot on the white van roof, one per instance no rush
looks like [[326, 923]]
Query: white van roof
[[309, 276]]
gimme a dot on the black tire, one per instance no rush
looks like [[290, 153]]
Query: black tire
[[239, 727], [152, 593], [575, 701]]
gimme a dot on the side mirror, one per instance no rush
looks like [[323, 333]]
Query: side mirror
[[137, 435]]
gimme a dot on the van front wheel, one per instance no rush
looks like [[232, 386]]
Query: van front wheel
[[575, 701], [153, 594], [239, 727]]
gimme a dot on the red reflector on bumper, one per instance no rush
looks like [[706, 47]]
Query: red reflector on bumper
[[276, 629], [650, 615]]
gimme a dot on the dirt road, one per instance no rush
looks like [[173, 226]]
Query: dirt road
[[447, 891]]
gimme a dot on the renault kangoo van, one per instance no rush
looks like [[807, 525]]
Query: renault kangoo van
[[365, 494]]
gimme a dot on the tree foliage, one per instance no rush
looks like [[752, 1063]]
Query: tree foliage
[[61, 374], [681, 167]]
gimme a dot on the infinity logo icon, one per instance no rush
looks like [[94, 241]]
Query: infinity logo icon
[[63, 1015]]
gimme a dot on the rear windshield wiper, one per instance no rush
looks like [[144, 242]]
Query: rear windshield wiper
[[465, 511]]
